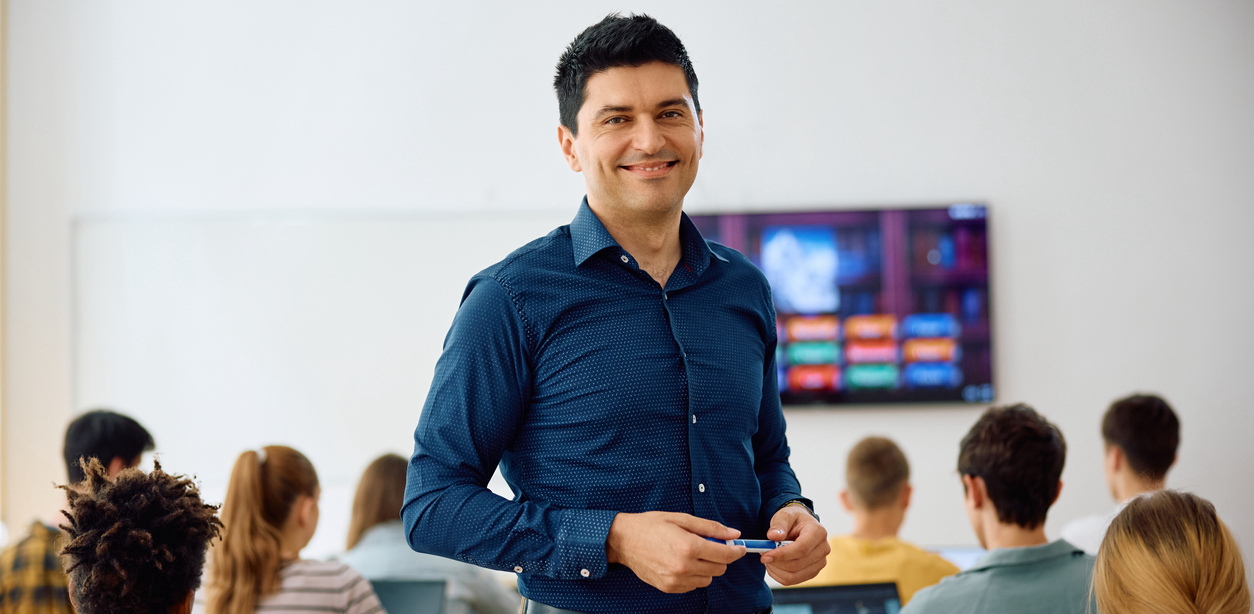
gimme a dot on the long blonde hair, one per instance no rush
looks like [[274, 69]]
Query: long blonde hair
[[380, 494], [245, 565], [1168, 552]]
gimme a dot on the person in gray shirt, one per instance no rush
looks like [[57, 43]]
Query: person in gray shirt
[[1011, 466]]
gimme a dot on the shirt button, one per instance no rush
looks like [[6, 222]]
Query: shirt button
[[584, 572], [701, 487], [625, 259], [694, 418], [665, 296], [518, 569]]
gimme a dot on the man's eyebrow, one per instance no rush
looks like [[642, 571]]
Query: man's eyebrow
[[608, 110], [674, 102]]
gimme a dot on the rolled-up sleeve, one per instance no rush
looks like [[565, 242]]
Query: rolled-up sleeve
[[477, 399]]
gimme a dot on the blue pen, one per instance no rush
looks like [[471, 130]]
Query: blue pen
[[752, 545]]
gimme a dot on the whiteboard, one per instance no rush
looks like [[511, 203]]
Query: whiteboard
[[222, 334]]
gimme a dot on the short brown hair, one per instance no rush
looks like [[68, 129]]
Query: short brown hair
[[875, 472], [1020, 456], [136, 544], [1147, 430], [1168, 551]]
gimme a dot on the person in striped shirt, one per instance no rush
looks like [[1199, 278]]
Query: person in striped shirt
[[271, 513]]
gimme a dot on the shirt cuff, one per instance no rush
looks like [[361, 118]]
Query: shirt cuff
[[581, 544]]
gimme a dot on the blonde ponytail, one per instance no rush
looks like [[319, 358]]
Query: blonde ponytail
[[244, 566]]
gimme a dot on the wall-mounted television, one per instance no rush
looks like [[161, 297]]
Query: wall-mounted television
[[873, 306]]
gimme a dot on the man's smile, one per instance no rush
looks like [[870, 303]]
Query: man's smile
[[651, 169]]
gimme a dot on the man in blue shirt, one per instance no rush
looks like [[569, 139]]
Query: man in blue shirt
[[1011, 465], [621, 373]]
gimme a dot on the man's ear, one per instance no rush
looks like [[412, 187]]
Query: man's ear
[[846, 501], [701, 141], [1057, 494], [1116, 458], [906, 492], [974, 490], [566, 140]]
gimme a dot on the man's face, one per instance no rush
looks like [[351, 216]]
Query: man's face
[[639, 139]]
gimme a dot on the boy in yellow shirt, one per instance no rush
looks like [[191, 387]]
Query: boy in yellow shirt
[[877, 493]]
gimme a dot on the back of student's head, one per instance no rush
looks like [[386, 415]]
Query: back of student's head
[[1020, 456], [380, 494], [136, 544], [875, 472], [103, 435], [260, 497], [1146, 429], [1168, 552]]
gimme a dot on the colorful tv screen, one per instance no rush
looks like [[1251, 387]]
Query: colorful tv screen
[[877, 306]]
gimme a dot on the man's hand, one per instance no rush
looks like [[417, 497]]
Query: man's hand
[[669, 551], [805, 556]]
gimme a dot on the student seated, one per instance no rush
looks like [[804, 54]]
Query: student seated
[[877, 493], [271, 513], [1142, 434], [1011, 464], [136, 544], [32, 576], [1168, 552], [378, 550]]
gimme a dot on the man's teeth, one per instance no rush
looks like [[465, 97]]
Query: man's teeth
[[653, 168]]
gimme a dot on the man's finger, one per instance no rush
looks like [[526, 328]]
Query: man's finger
[[705, 527]]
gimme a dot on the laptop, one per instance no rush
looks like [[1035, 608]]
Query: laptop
[[410, 596], [847, 599]]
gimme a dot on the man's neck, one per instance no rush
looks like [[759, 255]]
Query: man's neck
[[1003, 535], [876, 524], [1132, 485], [652, 238]]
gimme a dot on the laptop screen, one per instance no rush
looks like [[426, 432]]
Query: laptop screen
[[847, 599]]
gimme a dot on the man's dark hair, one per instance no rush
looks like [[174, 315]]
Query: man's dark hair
[[1020, 455], [615, 41], [136, 544], [1147, 430], [104, 435]]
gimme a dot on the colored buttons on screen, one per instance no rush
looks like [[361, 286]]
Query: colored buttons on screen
[[814, 377], [931, 350], [812, 328], [930, 325], [871, 377], [861, 352], [871, 327], [813, 353], [933, 375]]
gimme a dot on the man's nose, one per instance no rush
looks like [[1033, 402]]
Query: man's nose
[[649, 137]]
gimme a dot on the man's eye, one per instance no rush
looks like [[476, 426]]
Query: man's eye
[[615, 120], [672, 114]]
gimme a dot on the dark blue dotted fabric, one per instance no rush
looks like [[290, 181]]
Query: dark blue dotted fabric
[[597, 391]]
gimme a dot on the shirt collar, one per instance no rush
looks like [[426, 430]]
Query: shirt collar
[[589, 237], [1002, 557]]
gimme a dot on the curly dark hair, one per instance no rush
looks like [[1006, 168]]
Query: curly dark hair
[[1020, 455], [136, 544]]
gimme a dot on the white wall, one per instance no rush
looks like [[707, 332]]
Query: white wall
[[1113, 141]]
